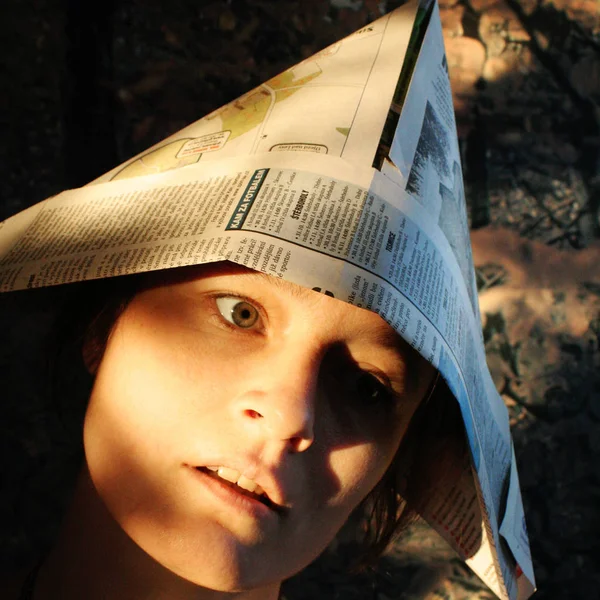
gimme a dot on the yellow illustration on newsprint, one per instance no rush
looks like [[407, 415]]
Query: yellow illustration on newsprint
[[310, 107]]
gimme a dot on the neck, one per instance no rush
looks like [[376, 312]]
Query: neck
[[94, 558]]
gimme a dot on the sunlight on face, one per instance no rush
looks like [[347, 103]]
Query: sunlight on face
[[226, 375]]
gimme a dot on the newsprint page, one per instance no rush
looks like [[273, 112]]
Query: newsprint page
[[342, 173]]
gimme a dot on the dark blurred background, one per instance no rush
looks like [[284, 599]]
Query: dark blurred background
[[85, 85]]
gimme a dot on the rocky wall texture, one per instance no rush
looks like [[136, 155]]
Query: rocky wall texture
[[80, 95]]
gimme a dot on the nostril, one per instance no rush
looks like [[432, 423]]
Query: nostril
[[299, 443], [253, 414]]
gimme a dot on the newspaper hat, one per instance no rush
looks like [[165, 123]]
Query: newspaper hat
[[341, 174]]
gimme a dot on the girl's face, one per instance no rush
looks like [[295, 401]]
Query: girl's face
[[280, 388]]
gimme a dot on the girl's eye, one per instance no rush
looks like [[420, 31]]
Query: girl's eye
[[371, 390], [237, 312]]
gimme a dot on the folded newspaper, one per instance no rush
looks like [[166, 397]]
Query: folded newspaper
[[342, 173]]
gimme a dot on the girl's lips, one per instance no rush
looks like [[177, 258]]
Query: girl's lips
[[231, 494], [260, 496]]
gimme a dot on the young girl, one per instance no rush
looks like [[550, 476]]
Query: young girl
[[235, 422]]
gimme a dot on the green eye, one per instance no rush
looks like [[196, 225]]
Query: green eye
[[238, 312]]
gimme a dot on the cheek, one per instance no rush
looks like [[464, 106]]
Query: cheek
[[126, 430], [352, 472], [358, 446], [358, 470], [151, 370], [146, 417], [147, 410]]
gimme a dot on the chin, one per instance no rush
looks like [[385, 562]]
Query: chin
[[232, 575], [214, 559]]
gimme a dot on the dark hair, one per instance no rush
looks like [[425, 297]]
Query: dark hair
[[435, 432], [433, 440], [78, 338]]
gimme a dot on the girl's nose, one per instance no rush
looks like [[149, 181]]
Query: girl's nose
[[279, 401]]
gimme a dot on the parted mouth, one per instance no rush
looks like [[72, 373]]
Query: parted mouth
[[241, 484]]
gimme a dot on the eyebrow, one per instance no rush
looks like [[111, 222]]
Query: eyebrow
[[389, 339], [385, 336], [295, 289]]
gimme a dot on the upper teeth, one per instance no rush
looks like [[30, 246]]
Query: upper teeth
[[236, 477]]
